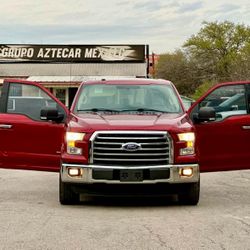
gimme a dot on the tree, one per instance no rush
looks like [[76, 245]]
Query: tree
[[218, 52], [240, 68], [176, 68], [202, 89], [217, 47]]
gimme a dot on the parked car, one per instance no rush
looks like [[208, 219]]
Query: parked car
[[187, 102], [235, 102]]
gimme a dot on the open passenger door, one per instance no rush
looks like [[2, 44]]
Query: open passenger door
[[32, 124], [222, 122]]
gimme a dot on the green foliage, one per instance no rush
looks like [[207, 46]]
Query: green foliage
[[217, 46], [202, 89], [218, 52], [240, 68], [176, 68]]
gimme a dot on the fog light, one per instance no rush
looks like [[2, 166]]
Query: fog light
[[186, 151], [74, 150], [187, 172], [74, 172]]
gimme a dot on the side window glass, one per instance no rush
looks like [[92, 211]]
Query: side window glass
[[226, 101], [28, 100]]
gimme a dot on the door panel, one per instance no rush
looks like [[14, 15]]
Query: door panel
[[224, 144], [27, 142]]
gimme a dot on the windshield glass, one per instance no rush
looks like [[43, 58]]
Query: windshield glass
[[121, 98]]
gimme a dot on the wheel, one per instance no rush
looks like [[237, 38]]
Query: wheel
[[190, 194], [66, 195]]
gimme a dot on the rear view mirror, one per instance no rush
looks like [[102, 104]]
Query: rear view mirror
[[51, 114]]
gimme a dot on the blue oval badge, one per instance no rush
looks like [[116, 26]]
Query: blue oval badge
[[131, 146]]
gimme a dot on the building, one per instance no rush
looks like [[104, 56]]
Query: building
[[61, 68]]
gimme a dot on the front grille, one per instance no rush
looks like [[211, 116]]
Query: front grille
[[108, 148]]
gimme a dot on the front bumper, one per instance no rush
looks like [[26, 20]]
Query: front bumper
[[87, 174]]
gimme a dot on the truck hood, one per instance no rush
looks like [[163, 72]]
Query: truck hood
[[90, 122]]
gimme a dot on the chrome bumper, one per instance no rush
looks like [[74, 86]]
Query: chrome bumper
[[86, 177]]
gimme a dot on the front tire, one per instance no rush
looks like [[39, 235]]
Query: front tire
[[66, 195], [190, 194]]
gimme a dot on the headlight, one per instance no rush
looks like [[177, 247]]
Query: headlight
[[189, 138], [71, 138]]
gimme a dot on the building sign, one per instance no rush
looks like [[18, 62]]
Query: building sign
[[24, 53]]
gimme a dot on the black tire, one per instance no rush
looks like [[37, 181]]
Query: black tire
[[190, 194], [66, 195]]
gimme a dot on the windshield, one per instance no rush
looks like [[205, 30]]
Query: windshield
[[122, 98]]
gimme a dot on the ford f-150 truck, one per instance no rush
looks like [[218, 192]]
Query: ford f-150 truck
[[125, 137]]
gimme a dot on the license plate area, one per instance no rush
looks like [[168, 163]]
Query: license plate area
[[131, 175]]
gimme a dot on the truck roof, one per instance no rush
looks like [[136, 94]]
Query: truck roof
[[142, 81]]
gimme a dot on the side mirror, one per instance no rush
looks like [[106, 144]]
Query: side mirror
[[51, 114], [205, 114]]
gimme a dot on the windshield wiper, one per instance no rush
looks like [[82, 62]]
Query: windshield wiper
[[141, 110], [98, 110]]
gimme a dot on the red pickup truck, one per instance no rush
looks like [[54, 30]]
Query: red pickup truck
[[125, 137]]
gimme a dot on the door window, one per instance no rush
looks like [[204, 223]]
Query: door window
[[16, 91], [227, 101], [28, 100]]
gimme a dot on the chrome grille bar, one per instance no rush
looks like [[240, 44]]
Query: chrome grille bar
[[145, 149], [129, 138], [142, 143], [121, 159], [131, 154]]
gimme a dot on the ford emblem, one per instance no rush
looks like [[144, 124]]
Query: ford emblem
[[131, 146]]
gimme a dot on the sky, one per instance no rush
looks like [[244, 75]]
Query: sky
[[163, 24]]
